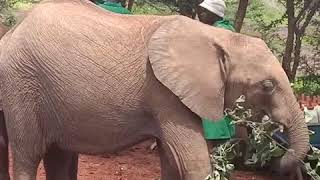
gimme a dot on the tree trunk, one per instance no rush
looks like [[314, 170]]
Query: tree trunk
[[287, 57], [187, 8], [300, 32], [296, 61], [130, 4], [241, 13]]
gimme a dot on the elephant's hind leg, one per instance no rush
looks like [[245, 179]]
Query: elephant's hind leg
[[26, 139], [60, 164], [4, 153], [25, 164]]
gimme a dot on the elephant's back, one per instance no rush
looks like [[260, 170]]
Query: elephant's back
[[76, 53], [75, 28]]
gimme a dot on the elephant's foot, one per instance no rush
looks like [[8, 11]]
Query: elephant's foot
[[61, 165], [25, 165], [26, 158], [23, 171]]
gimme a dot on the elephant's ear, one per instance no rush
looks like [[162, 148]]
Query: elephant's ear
[[191, 64]]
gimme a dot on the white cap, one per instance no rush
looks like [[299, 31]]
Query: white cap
[[215, 6]]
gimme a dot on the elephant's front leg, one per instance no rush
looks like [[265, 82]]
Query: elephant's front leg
[[183, 149]]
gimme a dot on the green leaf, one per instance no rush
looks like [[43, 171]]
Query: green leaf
[[261, 147], [224, 178], [230, 167], [317, 168], [219, 168], [277, 152], [216, 175], [308, 166], [208, 177]]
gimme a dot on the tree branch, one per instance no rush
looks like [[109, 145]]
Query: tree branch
[[300, 34], [313, 10], [241, 13], [309, 5], [303, 11], [287, 56], [297, 52]]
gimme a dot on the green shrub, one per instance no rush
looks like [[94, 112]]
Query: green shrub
[[154, 7], [261, 148], [9, 7], [308, 85]]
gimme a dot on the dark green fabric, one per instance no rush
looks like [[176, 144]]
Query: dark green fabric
[[224, 24], [221, 129], [218, 130], [99, 1], [113, 7]]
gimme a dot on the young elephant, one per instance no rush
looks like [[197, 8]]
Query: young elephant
[[76, 77]]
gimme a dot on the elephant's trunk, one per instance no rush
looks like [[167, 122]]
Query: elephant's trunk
[[298, 136]]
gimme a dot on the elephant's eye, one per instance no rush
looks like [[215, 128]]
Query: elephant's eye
[[267, 85]]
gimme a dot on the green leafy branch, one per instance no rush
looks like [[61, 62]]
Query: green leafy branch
[[261, 146], [221, 161]]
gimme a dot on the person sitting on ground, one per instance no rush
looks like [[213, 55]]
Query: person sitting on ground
[[112, 5], [211, 12]]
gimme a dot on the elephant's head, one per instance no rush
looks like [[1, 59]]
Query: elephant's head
[[208, 68]]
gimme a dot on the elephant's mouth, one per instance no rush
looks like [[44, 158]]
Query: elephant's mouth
[[280, 130], [290, 130], [260, 115]]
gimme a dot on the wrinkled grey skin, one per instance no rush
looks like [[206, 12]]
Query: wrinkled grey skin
[[57, 163], [77, 78]]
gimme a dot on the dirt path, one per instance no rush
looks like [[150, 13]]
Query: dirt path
[[137, 163]]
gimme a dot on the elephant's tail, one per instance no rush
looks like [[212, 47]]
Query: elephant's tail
[[4, 153]]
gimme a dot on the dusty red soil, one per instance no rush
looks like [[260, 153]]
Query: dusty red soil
[[137, 163]]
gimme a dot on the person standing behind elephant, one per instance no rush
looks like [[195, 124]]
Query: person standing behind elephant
[[112, 5], [212, 12]]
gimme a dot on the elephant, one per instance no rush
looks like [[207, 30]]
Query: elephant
[[77, 78]]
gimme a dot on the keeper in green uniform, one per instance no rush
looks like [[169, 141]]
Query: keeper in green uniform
[[112, 5], [211, 12]]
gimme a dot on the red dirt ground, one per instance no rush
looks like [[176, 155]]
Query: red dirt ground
[[137, 163]]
